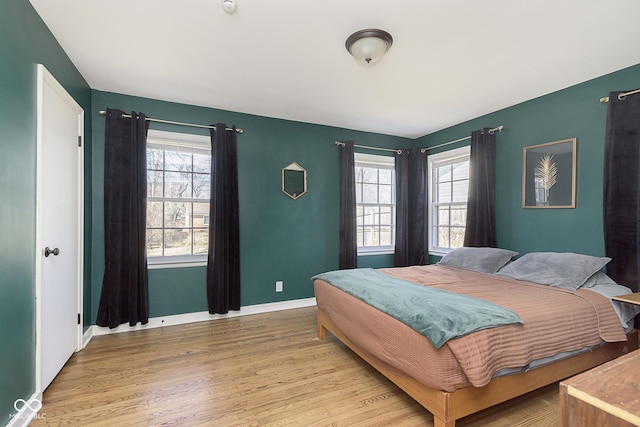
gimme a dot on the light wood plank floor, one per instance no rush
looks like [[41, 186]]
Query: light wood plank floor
[[259, 370]]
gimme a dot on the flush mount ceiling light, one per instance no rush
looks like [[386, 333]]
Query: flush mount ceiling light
[[369, 45]]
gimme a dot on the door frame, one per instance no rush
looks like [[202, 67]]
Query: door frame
[[44, 77]]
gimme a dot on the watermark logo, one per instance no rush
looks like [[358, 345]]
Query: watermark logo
[[28, 409], [34, 404]]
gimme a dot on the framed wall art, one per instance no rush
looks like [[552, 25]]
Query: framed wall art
[[549, 175]]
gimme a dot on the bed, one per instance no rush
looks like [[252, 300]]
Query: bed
[[565, 323]]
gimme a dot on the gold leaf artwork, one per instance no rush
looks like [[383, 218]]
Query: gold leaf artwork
[[546, 172]]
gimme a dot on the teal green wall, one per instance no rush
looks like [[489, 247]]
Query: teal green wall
[[280, 238], [375, 261], [24, 42], [572, 112]]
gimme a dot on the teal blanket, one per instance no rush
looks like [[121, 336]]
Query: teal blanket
[[439, 315]]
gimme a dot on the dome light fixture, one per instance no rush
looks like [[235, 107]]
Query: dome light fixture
[[368, 46]]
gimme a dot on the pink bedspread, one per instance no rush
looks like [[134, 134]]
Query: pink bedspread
[[555, 321]]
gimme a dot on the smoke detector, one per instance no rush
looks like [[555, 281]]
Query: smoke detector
[[229, 6]]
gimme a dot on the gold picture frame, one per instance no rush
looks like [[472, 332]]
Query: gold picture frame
[[549, 175]]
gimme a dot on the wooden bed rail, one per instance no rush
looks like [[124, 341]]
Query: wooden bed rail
[[448, 407]]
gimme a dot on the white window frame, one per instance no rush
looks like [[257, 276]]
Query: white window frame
[[381, 162], [186, 143], [435, 160]]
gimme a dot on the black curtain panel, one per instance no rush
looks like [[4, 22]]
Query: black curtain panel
[[223, 261], [620, 197], [481, 203], [418, 208], [125, 292], [348, 257], [402, 253]]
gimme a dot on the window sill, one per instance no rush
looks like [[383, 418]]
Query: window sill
[[160, 264], [380, 252], [439, 252]]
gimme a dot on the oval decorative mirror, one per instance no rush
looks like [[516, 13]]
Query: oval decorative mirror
[[294, 180]]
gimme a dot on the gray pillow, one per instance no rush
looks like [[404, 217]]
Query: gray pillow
[[599, 278], [562, 270], [483, 260]]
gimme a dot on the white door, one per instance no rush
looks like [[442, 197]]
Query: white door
[[59, 228]]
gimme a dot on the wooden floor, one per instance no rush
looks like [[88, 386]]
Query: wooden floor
[[259, 370]]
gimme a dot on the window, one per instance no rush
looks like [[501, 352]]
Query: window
[[375, 203], [178, 194], [449, 172]]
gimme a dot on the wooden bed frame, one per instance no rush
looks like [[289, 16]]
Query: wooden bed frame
[[448, 407]]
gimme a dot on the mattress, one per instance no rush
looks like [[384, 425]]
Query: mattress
[[555, 321]]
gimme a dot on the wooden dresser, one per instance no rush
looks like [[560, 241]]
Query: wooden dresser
[[607, 395]]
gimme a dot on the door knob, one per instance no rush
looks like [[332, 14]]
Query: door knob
[[54, 251]]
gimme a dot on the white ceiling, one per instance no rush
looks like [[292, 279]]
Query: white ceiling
[[451, 60]]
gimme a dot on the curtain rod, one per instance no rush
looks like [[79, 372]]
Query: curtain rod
[[422, 150], [372, 148], [239, 130], [621, 96]]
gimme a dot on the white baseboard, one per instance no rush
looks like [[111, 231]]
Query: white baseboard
[[28, 411], [86, 337], [201, 316]]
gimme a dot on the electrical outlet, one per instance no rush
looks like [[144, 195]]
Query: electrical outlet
[[279, 285]]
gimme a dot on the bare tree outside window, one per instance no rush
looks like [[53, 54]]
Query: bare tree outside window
[[178, 195], [375, 202], [449, 193]]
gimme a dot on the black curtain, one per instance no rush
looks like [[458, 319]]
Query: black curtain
[[481, 204], [348, 246], [621, 198], [418, 208], [223, 261], [125, 291], [402, 253]]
